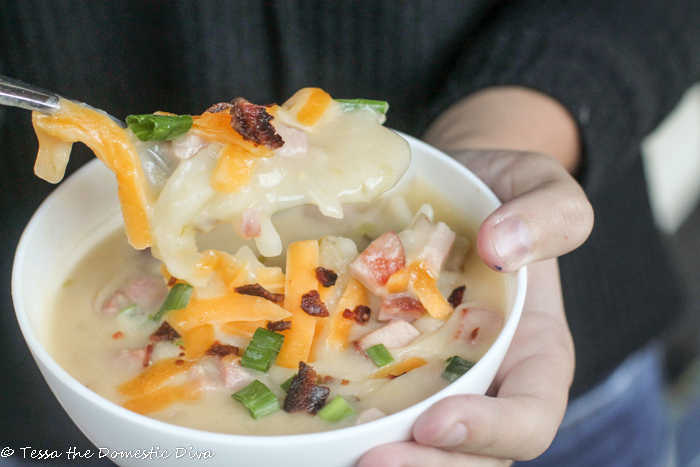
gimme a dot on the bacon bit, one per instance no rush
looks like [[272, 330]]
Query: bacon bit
[[311, 303], [172, 281], [328, 379], [304, 395], [148, 354], [118, 335], [164, 333], [218, 349], [326, 277], [474, 334], [220, 107], [179, 361], [456, 297], [181, 354], [253, 123], [258, 290], [360, 314], [279, 325], [345, 382]]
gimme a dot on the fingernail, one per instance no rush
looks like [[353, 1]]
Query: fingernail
[[511, 240], [454, 436]]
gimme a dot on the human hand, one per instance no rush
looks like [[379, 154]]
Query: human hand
[[548, 214]]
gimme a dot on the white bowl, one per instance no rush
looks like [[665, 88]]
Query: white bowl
[[84, 209]]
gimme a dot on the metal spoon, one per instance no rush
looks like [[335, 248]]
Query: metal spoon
[[18, 94], [158, 164], [27, 96]]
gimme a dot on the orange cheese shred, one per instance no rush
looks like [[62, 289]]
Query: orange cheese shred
[[424, 286], [242, 328], [354, 295], [315, 106], [230, 306], [111, 144], [225, 268], [162, 398], [398, 281], [397, 369], [153, 377], [272, 278], [197, 341], [233, 169], [302, 261]]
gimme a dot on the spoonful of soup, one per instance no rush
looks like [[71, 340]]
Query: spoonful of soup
[[237, 163]]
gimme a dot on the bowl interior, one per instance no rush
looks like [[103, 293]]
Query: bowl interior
[[85, 209]]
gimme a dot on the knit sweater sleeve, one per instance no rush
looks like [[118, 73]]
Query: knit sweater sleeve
[[618, 67]]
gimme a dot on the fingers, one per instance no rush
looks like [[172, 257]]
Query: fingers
[[410, 454], [532, 386], [545, 213]]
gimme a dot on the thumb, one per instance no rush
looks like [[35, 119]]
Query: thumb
[[545, 212]]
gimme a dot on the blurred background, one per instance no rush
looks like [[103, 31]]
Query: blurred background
[[672, 163]]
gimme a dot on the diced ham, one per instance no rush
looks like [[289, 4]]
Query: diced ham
[[115, 303], [438, 246], [146, 292], [296, 142], [382, 258], [400, 306], [206, 376], [478, 326], [369, 415], [233, 375], [430, 242], [250, 225], [394, 335]]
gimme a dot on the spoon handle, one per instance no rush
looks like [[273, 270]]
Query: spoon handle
[[18, 94]]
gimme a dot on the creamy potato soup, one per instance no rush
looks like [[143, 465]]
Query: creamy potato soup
[[265, 281], [105, 347]]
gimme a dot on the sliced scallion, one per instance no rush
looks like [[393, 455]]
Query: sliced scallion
[[456, 367], [262, 350], [379, 355], [287, 383], [152, 127], [177, 299], [259, 399], [381, 107], [336, 410], [129, 311]]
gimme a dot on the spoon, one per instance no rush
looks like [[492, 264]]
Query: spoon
[[158, 165], [18, 94], [15, 93]]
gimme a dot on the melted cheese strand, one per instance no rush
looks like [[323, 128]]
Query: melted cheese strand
[[112, 145]]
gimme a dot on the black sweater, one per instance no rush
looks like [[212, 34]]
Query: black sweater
[[619, 67]]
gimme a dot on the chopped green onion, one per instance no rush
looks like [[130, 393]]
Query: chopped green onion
[[379, 355], [287, 383], [456, 367], [262, 350], [381, 107], [336, 410], [129, 311], [152, 127], [177, 299], [259, 399]]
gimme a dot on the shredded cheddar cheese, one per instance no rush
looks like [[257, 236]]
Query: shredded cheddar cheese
[[112, 145]]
